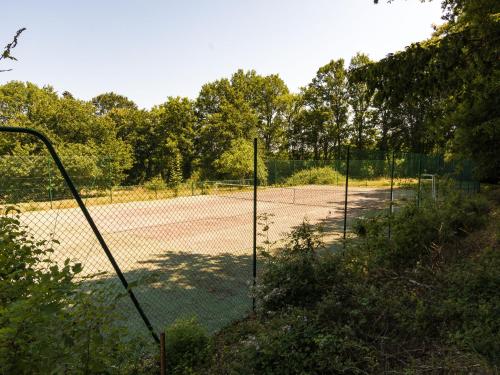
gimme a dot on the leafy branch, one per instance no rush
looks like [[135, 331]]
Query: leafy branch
[[6, 54]]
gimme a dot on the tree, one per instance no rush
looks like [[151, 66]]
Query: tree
[[264, 95], [450, 83], [88, 144], [175, 177], [104, 103], [271, 106], [293, 144], [363, 130], [326, 99], [246, 105], [135, 128], [224, 110], [172, 128], [237, 162]]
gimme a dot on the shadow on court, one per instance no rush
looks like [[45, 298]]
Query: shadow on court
[[174, 285], [215, 288]]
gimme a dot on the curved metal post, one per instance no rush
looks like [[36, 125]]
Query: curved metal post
[[83, 208]]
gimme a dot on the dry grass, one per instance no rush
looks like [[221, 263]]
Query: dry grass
[[124, 194]]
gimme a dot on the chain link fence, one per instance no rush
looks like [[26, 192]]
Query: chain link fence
[[187, 250]]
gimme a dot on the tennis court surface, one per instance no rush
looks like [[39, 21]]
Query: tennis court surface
[[192, 254]]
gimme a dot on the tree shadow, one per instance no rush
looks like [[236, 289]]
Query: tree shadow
[[215, 288], [175, 285]]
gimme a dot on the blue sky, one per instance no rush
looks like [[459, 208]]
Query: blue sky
[[151, 49]]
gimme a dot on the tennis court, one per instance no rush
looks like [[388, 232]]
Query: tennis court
[[192, 253]]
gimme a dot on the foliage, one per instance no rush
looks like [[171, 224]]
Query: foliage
[[443, 91], [187, 346], [87, 144], [327, 106], [51, 322], [155, 184], [289, 276], [422, 300], [436, 96], [471, 299], [175, 177], [237, 162], [315, 176], [105, 103], [419, 233]]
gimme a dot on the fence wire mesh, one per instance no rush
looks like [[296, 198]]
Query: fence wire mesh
[[187, 250]]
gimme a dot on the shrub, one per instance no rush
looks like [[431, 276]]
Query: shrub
[[289, 276], [49, 322], [295, 343], [469, 306], [155, 184], [418, 233], [315, 176], [298, 274], [187, 346], [380, 304]]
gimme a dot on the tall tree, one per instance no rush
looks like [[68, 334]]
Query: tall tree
[[326, 98], [173, 126], [225, 112], [362, 112], [452, 80]]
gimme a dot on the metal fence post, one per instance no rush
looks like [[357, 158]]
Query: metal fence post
[[163, 355], [346, 193], [254, 263], [392, 195], [50, 182], [275, 173], [419, 178]]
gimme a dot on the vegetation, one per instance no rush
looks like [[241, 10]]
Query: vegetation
[[7, 51], [315, 176], [424, 300], [50, 318], [237, 162], [415, 291], [436, 96], [187, 345]]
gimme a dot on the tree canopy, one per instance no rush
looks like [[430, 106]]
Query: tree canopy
[[436, 96]]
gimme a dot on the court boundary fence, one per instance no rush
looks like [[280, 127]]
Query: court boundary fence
[[351, 167]]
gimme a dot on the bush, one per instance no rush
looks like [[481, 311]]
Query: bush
[[381, 304], [295, 343], [315, 176], [155, 184], [469, 306], [299, 274], [49, 322], [187, 346], [418, 233]]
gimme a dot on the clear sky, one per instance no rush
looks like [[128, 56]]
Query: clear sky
[[151, 49]]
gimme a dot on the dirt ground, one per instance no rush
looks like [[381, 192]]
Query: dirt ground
[[193, 254]]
